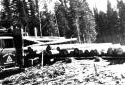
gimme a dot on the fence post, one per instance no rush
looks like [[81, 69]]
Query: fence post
[[42, 59]]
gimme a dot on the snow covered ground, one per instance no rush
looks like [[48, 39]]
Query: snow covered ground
[[79, 72]]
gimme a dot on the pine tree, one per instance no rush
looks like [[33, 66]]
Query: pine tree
[[101, 25], [33, 16], [121, 9], [6, 15], [61, 20], [84, 20], [19, 12], [113, 21], [107, 25]]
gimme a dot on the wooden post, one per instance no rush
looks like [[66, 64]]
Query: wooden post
[[42, 60], [57, 26], [96, 73], [22, 47], [40, 24], [35, 31], [78, 30]]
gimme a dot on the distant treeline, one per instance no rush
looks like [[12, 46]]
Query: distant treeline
[[110, 26], [71, 18]]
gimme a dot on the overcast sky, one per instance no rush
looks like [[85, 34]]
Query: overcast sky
[[101, 4]]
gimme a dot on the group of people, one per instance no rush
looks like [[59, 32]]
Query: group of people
[[63, 54]]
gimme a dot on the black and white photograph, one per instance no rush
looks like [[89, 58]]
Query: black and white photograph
[[62, 42]]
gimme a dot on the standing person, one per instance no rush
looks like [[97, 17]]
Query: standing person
[[47, 55], [17, 36], [62, 52]]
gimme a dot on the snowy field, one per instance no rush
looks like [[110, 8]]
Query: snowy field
[[79, 72]]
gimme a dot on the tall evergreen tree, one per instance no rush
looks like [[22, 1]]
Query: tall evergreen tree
[[101, 25], [49, 23], [121, 9], [33, 16], [61, 14], [113, 21], [84, 20], [107, 25], [6, 16]]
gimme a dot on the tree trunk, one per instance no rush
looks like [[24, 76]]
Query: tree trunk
[[78, 30]]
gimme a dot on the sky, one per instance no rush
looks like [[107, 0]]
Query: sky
[[102, 4]]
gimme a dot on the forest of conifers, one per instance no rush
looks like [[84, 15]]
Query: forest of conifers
[[70, 18]]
